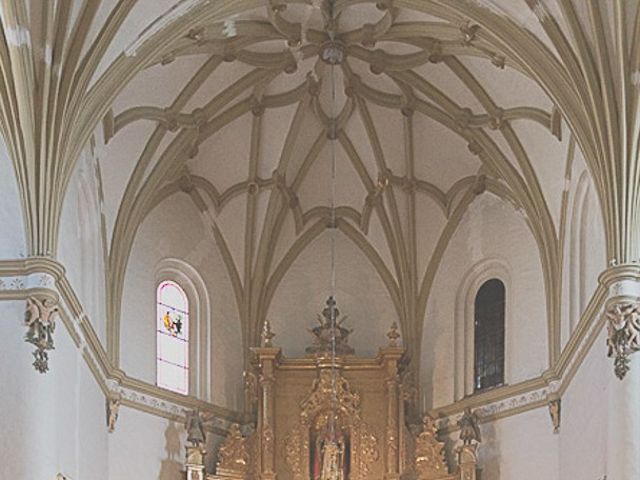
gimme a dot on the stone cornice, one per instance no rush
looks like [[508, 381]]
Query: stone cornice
[[21, 278]]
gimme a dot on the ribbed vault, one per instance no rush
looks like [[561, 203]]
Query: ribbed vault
[[436, 102]]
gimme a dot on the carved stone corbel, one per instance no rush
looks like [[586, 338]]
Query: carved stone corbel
[[623, 334], [39, 319], [554, 412], [112, 410]]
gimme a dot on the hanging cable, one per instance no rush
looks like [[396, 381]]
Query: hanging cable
[[333, 226]]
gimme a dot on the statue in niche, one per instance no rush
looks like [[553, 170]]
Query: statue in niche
[[469, 429], [330, 332], [330, 448]]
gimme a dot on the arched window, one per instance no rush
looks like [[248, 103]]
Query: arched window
[[489, 335], [172, 337]]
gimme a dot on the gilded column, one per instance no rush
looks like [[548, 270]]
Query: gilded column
[[267, 357], [195, 463], [622, 318], [391, 356], [393, 434]]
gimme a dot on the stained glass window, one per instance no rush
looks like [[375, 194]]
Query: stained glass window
[[172, 336], [489, 335]]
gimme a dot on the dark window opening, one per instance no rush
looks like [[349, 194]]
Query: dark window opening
[[489, 335]]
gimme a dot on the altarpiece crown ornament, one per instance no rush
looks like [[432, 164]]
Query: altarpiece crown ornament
[[40, 321], [330, 336], [623, 339]]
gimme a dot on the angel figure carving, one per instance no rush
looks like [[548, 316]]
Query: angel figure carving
[[40, 320]]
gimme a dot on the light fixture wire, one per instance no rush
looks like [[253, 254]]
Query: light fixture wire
[[333, 226]]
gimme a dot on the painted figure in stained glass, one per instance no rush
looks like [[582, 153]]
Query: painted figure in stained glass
[[172, 322], [172, 337]]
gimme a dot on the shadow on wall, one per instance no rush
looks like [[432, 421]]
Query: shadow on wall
[[171, 467], [489, 453]]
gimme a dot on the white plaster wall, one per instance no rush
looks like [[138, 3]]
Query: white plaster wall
[[583, 433], [53, 422], [147, 447], [175, 230], [521, 447], [360, 293], [12, 229], [80, 243], [490, 229]]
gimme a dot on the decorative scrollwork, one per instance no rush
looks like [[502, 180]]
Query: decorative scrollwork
[[369, 452], [323, 395], [294, 453], [233, 455], [430, 462]]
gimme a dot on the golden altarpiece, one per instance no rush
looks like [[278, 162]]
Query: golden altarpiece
[[330, 416]]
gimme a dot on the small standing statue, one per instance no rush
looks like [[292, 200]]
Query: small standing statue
[[195, 428], [469, 430], [39, 319]]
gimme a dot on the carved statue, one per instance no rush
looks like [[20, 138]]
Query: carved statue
[[332, 461], [194, 425], [233, 454], [469, 429], [330, 332], [40, 321], [113, 406], [330, 448]]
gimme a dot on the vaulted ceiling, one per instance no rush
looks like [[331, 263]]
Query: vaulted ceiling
[[423, 104]]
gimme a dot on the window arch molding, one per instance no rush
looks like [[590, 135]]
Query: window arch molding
[[464, 354], [193, 285]]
